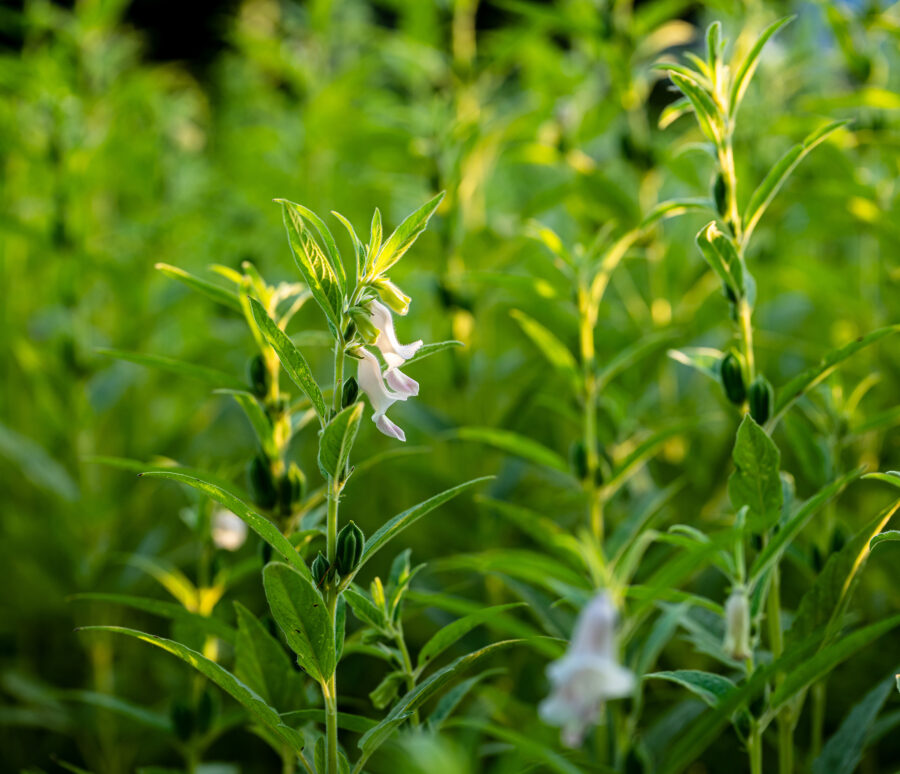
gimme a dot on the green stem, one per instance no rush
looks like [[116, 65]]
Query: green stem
[[818, 719], [407, 669], [754, 749], [338, 376], [746, 329], [776, 645], [588, 365], [329, 693]]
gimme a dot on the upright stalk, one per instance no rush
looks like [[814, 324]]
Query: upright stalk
[[588, 366]]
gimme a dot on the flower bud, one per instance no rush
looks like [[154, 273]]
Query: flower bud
[[578, 460], [737, 625], [258, 375], [367, 330], [262, 484], [732, 377], [395, 298], [761, 397], [350, 392], [291, 488], [319, 568], [350, 543]]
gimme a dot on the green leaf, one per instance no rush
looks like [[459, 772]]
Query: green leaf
[[427, 350], [805, 381], [126, 709], [300, 611], [630, 355], [822, 607], [217, 293], [403, 520], [703, 359], [811, 669], [890, 536], [772, 551], [180, 367], [36, 465], [209, 624], [704, 107], [291, 358], [260, 711], [773, 181], [259, 420], [364, 609], [755, 481], [359, 248], [415, 698], [355, 723], [843, 751], [331, 250], [260, 661], [314, 266], [404, 235], [336, 442], [451, 700], [259, 524], [513, 443], [455, 631], [712, 688], [721, 255], [375, 233], [744, 73], [557, 354]]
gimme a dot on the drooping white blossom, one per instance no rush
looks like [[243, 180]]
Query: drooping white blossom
[[372, 383], [395, 353], [737, 625], [228, 530], [588, 674]]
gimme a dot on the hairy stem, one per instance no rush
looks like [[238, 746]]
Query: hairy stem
[[407, 669], [776, 645]]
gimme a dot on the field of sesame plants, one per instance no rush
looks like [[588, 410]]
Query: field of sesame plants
[[450, 387]]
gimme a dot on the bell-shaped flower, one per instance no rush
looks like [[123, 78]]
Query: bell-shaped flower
[[737, 625], [372, 383], [395, 354], [229, 531], [588, 674]]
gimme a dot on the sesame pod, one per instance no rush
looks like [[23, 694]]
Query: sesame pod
[[732, 377], [350, 543], [262, 484], [720, 195], [350, 392], [319, 568], [291, 488], [258, 375], [761, 397], [578, 460]]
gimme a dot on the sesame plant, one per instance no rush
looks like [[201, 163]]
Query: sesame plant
[[307, 595], [771, 660]]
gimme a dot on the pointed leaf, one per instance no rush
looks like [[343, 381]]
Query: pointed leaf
[[745, 72], [755, 481], [404, 235], [220, 295], [710, 687], [209, 375], [455, 631], [516, 444], [336, 442]]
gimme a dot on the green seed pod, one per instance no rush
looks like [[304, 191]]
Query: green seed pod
[[350, 392], [350, 544], [258, 375], [262, 485], [291, 488], [364, 325], [578, 460], [732, 377], [319, 568], [761, 397], [720, 195], [182, 720], [206, 711]]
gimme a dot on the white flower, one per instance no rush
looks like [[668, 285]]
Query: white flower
[[228, 530], [588, 674], [737, 625], [395, 353], [372, 383]]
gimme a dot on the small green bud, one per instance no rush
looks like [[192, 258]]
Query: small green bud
[[395, 298], [319, 568], [761, 397], [578, 460], [262, 484], [350, 544], [364, 325], [258, 375], [182, 720], [291, 488], [732, 377], [720, 195], [350, 392]]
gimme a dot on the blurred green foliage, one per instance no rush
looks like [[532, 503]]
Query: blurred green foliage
[[522, 111]]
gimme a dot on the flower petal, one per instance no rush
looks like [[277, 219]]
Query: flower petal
[[388, 428], [401, 383]]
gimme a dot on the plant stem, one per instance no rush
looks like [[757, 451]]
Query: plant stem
[[588, 364], [338, 390], [818, 718], [776, 645], [746, 328], [754, 748], [407, 669]]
